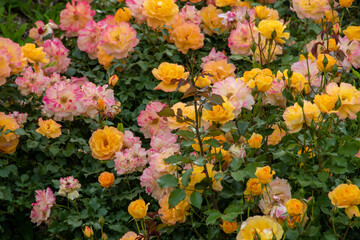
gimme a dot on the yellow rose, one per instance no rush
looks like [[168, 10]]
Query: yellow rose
[[346, 196], [34, 54], [210, 20], [202, 81], [9, 141], [262, 12], [294, 118], [265, 226], [166, 72], [219, 70], [325, 102], [103, 58], [312, 112], [275, 137], [123, 15], [262, 79], [88, 232], [346, 3], [264, 174], [223, 3], [106, 179], [229, 227], [330, 63], [292, 220], [220, 113], [173, 215], [353, 33], [267, 27], [255, 140], [105, 142], [333, 45], [299, 83], [253, 187], [113, 80], [49, 128], [294, 207], [187, 111], [187, 36], [159, 12], [138, 209]]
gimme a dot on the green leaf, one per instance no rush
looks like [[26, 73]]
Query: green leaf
[[200, 161], [196, 199], [242, 127], [176, 197], [214, 215], [186, 177], [350, 148], [323, 176], [167, 180], [20, 131], [174, 159], [187, 134], [31, 143], [235, 163], [212, 142], [239, 176]]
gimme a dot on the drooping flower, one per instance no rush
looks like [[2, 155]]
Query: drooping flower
[[10, 140], [58, 53], [104, 143], [119, 40], [69, 187], [49, 128], [75, 16], [41, 210]]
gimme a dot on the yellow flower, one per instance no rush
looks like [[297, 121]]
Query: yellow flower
[[173, 215], [299, 83], [262, 79], [229, 227], [166, 72], [267, 27], [346, 196], [9, 141], [106, 179], [113, 80], [294, 118], [187, 36], [210, 20], [130, 236], [101, 105], [220, 113], [301, 217], [138, 209], [223, 3], [49, 128], [264, 174], [312, 112], [105, 142], [159, 12], [262, 12], [325, 102], [202, 81], [346, 3], [330, 63], [88, 232], [123, 15], [310, 57], [265, 226], [255, 140], [187, 111], [353, 33], [275, 137], [253, 187], [333, 45], [34, 54], [219, 70], [294, 207]]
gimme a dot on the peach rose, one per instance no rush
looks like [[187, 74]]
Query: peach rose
[[265, 226], [49, 128], [187, 36], [253, 187], [159, 12], [220, 113], [105, 142], [106, 179], [264, 174], [8, 141], [166, 72], [229, 227], [138, 209]]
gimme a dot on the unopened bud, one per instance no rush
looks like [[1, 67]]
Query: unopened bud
[[101, 105], [88, 232], [113, 80]]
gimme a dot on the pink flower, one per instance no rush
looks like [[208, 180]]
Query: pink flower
[[41, 30], [274, 94], [241, 12], [189, 14], [136, 7], [228, 18], [118, 40], [63, 100], [41, 211], [130, 160], [32, 82], [69, 187], [240, 39], [148, 181], [75, 16], [20, 118], [89, 38], [11, 57], [58, 53], [301, 67], [130, 140], [213, 56], [108, 20], [236, 91], [352, 52], [5, 68], [162, 141], [150, 122], [314, 9]]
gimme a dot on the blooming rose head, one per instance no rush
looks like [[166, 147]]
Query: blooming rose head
[[41, 210], [267, 27], [104, 143], [34, 54], [312, 112], [275, 137], [264, 174], [69, 187], [49, 128], [240, 39], [219, 70], [345, 195], [353, 33], [253, 187], [211, 22], [314, 9], [220, 113], [138, 209], [173, 215], [159, 12], [166, 72], [346, 3], [294, 118], [122, 15], [58, 53], [229, 227], [202, 81], [265, 226], [299, 83], [106, 179], [294, 207], [10, 140], [255, 140], [187, 36]]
